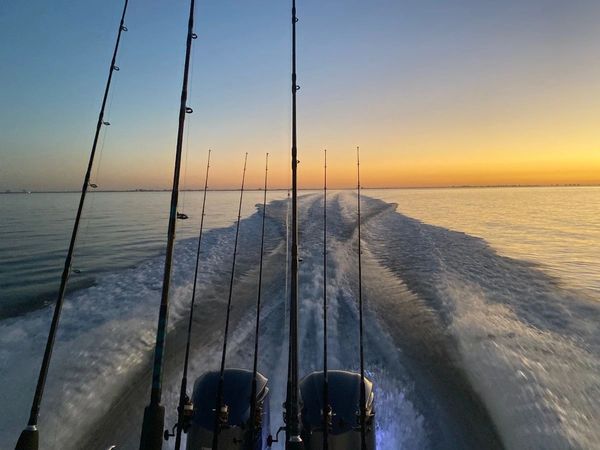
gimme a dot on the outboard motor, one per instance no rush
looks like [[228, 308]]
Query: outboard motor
[[235, 431], [344, 400]]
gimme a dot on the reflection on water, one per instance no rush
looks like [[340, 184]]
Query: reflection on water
[[556, 227], [439, 302], [118, 230]]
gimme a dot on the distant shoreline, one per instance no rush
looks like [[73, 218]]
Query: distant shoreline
[[499, 186]]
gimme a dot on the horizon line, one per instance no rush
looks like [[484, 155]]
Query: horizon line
[[259, 189]]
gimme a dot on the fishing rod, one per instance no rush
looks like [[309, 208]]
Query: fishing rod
[[255, 415], [363, 395], [327, 413], [222, 411], [185, 408], [29, 438], [154, 414], [293, 440]]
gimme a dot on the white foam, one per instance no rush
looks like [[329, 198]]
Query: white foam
[[530, 345], [542, 389]]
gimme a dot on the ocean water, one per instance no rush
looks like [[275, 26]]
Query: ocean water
[[483, 310], [118, 230], [557, 228]]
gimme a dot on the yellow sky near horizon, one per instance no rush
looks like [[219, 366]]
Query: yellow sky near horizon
[[435, 93]]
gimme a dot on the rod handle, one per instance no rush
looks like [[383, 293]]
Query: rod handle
[[153, 427], [29, 439]]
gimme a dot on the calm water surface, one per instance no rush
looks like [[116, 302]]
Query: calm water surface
[[118, 230], [505, 283], [555, 227]]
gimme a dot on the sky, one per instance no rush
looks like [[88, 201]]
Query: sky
[[435, 93]]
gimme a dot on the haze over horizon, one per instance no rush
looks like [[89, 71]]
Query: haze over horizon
[[436, 94]]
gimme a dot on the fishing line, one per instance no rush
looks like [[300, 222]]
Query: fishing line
[[255, 415], [187, 141], [98, 163], [185, 408], [287, 260], [292, 429], [287, 216], [363, 396], [221, 411], [29, 438], [89, 216], [286, 312], [327, 413], [94, 184], [154, 414], [185, 165]]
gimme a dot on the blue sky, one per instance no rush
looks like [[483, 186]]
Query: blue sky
[[423, 86]]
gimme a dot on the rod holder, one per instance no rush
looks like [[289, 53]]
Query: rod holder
[[29, 439], [153, 427], [294, 443]]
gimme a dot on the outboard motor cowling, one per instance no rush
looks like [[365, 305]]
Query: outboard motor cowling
[[344, 400], [235, 432]]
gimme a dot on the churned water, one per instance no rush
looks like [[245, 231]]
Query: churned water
[[482, 320]]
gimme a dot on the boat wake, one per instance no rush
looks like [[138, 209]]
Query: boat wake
[[466, 348]]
